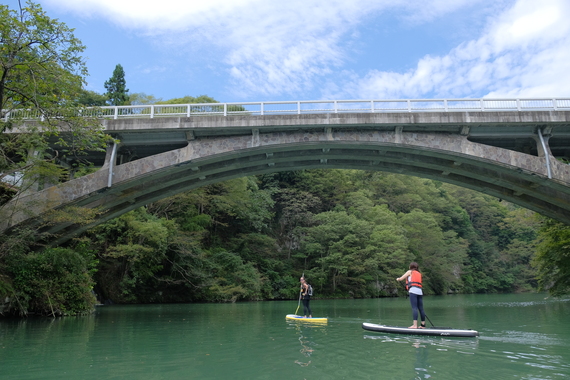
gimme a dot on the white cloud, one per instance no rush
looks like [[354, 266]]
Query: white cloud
[[268, 47], [271, 48], [152, 16], [524, 53]]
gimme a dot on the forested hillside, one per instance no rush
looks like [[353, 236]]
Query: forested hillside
[[350, 232]]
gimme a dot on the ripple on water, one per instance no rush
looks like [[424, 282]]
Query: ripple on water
[[545, 301], [525, 337]]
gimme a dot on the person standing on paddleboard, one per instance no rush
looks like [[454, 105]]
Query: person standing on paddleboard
[[413, 279], [306, 296]]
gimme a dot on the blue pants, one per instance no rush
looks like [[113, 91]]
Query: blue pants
[[417, 302]]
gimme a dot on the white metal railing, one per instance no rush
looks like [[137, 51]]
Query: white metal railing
[[315, 106]]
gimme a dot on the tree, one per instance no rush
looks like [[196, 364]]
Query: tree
[[190, 100], [91, 99], [40, 62], [139, 98], [296, 211], [42, 132], [41, 77], [117, 93], [339, 243], [553, 257], [55, 282]]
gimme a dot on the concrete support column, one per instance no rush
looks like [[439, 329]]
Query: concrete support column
[[110, 161], [255, 138], [542, 144], [543, 135], [108, 155]]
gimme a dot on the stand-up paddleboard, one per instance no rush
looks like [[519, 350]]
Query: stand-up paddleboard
[[438, 331], [303, 319]]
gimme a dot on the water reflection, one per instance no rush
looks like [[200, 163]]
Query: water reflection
[[467, 345], [305, 332], [422, 364]]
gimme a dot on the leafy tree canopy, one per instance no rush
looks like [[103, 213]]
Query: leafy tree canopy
[[553, 257], [191, 100], [91, 99], [41, 76], [141, 98], [40, 63]]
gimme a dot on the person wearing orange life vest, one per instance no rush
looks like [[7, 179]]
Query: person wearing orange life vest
[[413, 279]]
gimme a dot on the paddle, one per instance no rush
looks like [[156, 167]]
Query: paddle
[[432, 325], [299, 304], [300, 291], [437, 327]]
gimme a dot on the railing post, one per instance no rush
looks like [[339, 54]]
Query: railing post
[[445, 105], [188, 110], [481, 104], [261, 108], [225, 109], [409, 105], [554, 104], [518, 104], [335, 107], [298, 108], [116, 115], [152, 111], [372, 106]]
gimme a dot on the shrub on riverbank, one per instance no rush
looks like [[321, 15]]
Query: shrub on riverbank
[[54, 282]]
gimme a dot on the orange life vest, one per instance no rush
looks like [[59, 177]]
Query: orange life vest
[[414, 280]]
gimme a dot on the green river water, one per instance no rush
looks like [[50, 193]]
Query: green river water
[[522, 336]]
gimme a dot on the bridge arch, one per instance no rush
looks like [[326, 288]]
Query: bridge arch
[[445, 155]]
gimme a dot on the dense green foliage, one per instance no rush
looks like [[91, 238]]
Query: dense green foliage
[[351, 232], [57, 281], [40, 62], [553, 257], [91, 99]]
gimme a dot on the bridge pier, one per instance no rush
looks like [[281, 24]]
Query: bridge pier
[[110, 162], [544, 149]]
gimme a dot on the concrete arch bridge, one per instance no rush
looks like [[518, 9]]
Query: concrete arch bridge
[[514, 154]]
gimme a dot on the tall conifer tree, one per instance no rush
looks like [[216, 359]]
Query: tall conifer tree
[[117, 93]]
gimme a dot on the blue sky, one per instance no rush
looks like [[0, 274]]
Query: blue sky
[[268, 50]]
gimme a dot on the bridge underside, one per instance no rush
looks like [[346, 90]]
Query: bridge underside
[[520, 178]]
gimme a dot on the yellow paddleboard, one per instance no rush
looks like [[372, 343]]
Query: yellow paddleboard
[[303, 319]]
